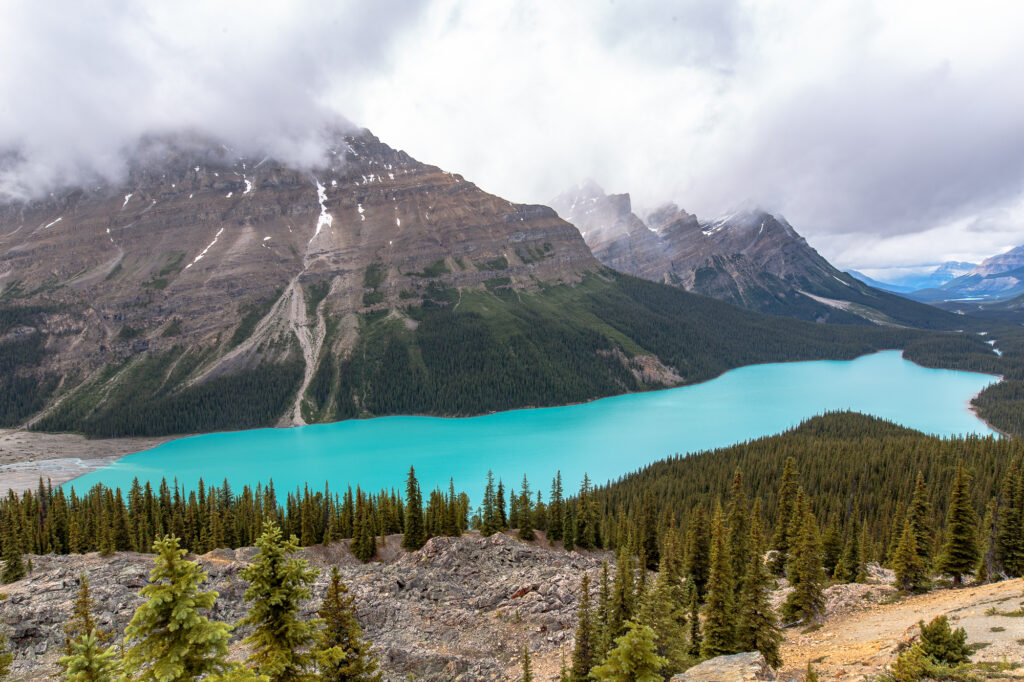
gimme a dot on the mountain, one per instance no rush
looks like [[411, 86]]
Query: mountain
[[210, 290], [997, 278], [908, 283], [884, 286], [750, 258]]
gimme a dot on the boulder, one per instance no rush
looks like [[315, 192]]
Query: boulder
[[735, 668]]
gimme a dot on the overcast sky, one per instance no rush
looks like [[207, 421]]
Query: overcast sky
[[888, 133]]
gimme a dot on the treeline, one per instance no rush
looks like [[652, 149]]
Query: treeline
[[710, 595]]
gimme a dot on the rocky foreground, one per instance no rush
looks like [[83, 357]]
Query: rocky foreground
[[462, 609], [458, 609]]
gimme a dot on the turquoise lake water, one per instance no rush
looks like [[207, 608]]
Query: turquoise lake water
[[605, 438]]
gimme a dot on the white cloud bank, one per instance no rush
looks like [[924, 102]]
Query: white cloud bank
[[887, 133]]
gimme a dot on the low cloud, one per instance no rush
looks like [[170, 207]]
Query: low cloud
[[887, 133]]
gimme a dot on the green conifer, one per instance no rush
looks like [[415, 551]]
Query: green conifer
[[527, 673], [634, 658], [583, 650], [14, 562], [910, 571], [6, 657], [738, 532], [664, 612], [342, 653], [491, 519], [758, 628], [810, 675], [1010, 535], [697, 566], [170, 640], [806, 602], [525, 509], [414, 536], [278, 585], [942, 644], [919, 515], [784, 518], [89, 661], [960, 551], [719, 618], [555, 510], [82, 622], [695, 639]]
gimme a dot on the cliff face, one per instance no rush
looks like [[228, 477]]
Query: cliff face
[[238, 261], [750, 258]]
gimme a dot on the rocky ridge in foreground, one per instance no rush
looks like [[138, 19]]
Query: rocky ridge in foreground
[[457, 609]]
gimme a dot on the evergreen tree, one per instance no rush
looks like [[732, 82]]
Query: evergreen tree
[[851, 563], [604, 616], [170, 640], [806, 602], [555, 510], [1010, 542], [942, 644], [988, 564], [277, 587], [586, 516], [810, 675], [6, 657], [490, 516], [787, 499], [696, 638], [623, 598], [14, 563], [364, 542], [960, 552], [634, 658], [907, 564], [831, 550], [663, 611], [649, 534], [89, 661], [583, 650], [919, 514], [342, 653], [500, 500], [526, 512], [527, 673], [414, 536], [698, 552], [82, 622], [738, 537], [719, 618], [758, 628]]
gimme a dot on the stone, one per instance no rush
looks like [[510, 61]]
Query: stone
[[743, 667]]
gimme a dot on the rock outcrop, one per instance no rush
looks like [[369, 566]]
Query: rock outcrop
[[458, 609], [743, 667]]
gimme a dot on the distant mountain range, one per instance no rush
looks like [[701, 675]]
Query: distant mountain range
[[211, 290], [955, 284], [750, 258]]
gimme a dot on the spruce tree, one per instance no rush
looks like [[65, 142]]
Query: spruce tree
[[342, 653], [831, 550], [695, 638], [919, 513], [14, 562], [527, 673], [738, 532], [89, 661], [942, 644], [719, 618], [758, 628], [490, 517], [634, 658], [988, 564], [82, 622], [697, 566], [583, 650], [851, 563], [784, 518], [171, 641], [907, 564], [555, 510], [278, 585], [664, 612], [414, 536], [648, 532], [623, 598], [960, 551], [364, 542], [526, 512], [806, 602], [1010, 534]]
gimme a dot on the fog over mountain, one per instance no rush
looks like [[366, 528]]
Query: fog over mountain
[[887, 133]]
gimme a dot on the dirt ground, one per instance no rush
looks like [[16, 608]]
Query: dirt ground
[[60, 457], [857, 644]]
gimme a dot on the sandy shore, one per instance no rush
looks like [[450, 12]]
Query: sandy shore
[[60, 457]]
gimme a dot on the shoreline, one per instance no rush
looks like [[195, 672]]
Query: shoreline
[[63, 458]]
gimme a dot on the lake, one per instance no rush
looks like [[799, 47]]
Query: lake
[[604, 438]]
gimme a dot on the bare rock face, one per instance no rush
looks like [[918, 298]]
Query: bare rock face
[[750, 258], [735, 668], [458, 609], [244, 260]]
